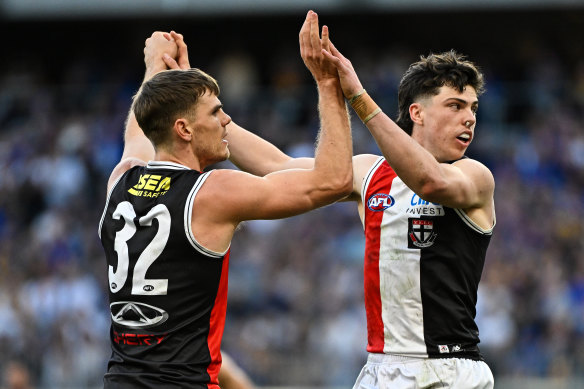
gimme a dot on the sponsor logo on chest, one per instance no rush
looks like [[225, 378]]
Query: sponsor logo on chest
[[150, 185], [132, 314], [422, 215], [417, 206]]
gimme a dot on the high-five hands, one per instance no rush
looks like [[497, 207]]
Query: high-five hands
[[349, 80], [159, 44], [311, 49], [181, 61]]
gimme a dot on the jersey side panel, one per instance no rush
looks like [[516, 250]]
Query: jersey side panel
[[217, 324]]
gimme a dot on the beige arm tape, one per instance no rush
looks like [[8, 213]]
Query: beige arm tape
[[364, 106]]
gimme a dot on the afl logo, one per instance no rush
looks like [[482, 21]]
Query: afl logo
[[148, 288], [380, 202]]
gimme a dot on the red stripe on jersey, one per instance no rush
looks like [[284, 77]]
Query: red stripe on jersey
[[217, 324], [380, 183]]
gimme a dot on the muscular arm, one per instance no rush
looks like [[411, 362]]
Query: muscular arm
[[290, 192], [257, 156], [231, 196], [248, 151], [465, 184]]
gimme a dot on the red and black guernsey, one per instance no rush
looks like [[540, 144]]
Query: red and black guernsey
[[167, 293]]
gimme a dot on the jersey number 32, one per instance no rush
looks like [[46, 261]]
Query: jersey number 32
[[140, 284]]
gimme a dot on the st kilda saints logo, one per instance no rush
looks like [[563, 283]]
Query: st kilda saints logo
[[421, 232]]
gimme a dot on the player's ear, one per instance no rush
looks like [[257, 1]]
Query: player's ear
[[183, 129], [417, 113]]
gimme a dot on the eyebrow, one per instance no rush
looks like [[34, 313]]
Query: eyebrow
[[462, 101]]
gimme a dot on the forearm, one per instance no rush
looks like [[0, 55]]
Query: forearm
[[257, 156], [334, 149], [413, 163], [136, 144]]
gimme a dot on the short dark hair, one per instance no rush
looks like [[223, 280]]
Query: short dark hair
[[166, 97], [425, 77]]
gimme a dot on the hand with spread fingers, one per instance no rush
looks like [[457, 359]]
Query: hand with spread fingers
[[311, 49]]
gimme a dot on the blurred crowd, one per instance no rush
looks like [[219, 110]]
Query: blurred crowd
[[295, 310]]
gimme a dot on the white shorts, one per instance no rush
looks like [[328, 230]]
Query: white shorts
[[384, 371]]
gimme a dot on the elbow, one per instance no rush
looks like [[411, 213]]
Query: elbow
[[432, 190], [341, 187], [346, 186]]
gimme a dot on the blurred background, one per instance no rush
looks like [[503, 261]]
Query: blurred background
[[295, 311]]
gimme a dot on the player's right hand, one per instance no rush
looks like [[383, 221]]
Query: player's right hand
[[155, 47]]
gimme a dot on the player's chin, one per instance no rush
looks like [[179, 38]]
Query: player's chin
[[456, 155]]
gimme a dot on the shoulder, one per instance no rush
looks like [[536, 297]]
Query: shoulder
[[122, 167], [475, 170], [227, 182], [228, 177], [362, 163]]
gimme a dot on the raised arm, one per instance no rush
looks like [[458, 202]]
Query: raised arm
[[257, 156], [465, 184], [137, 148], [231, 196], [328, 177]]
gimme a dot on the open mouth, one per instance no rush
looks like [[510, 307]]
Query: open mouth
[[465, 138]]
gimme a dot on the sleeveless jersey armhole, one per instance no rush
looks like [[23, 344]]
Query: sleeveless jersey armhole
[[368, 177], [107, 200], [188, 218], [469, 222]]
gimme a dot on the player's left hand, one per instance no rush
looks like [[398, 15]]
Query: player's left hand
[[349, 80], [155, 47], [181, 61]]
